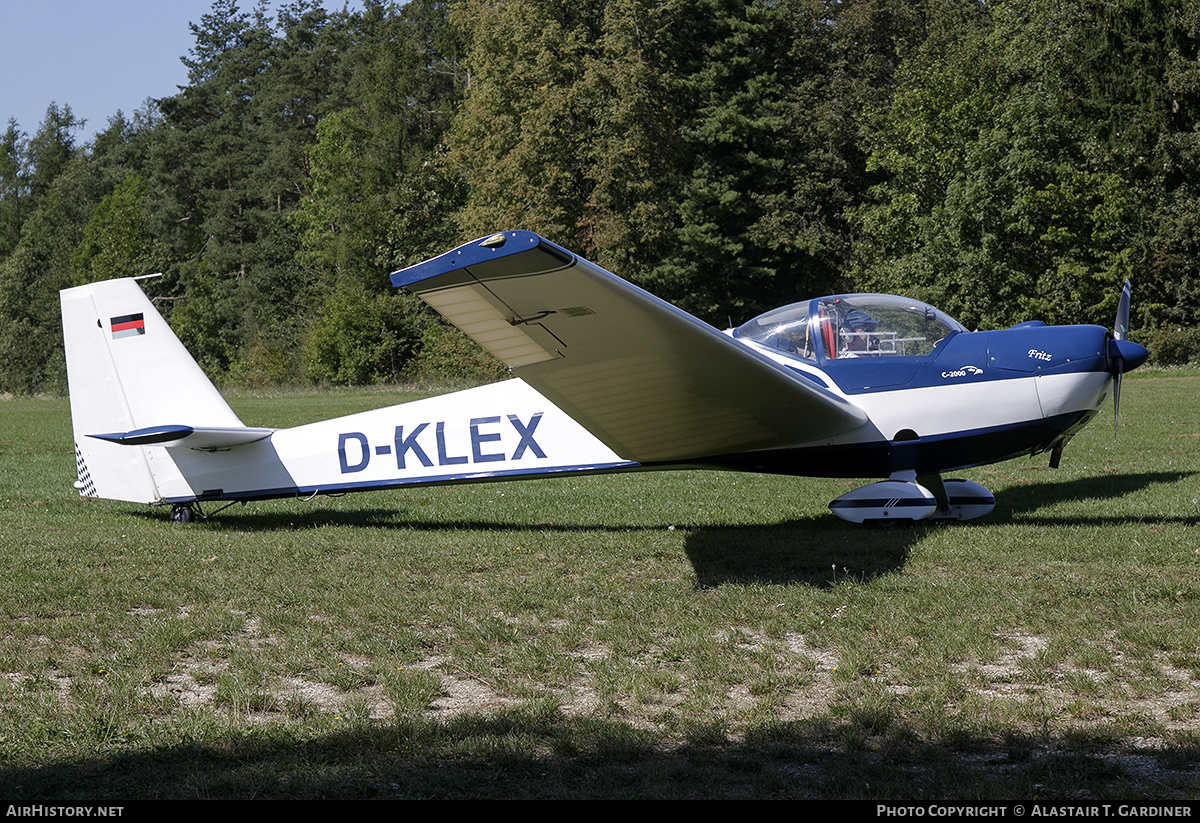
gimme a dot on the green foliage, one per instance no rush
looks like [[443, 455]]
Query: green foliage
[[988, 208], [51, 148], [1174, 346], [377, 199], [272, 357], [449, 357], [117, 240], [700, 149], [206, 319], [521, 137], [1033, 164], [14, 187], [229, 165], [1005, 161], [361, 337], [31, 358]]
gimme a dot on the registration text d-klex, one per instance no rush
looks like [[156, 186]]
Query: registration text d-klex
[[486, 434]]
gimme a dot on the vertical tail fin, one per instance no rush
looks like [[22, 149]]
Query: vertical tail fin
[[126, 371]]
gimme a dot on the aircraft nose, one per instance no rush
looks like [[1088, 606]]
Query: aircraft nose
[[1132, 354]]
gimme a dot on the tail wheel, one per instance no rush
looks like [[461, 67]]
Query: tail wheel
[[182, 513]]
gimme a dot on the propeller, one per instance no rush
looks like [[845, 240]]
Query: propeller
[[1123, 353]]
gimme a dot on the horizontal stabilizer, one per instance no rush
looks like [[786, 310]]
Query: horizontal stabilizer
[[190, 437]]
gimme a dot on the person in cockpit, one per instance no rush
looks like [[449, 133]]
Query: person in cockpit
[[857, 341]]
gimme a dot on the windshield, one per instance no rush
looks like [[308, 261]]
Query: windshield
[[853, 325]]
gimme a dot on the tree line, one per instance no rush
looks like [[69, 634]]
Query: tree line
[[1006, 161]]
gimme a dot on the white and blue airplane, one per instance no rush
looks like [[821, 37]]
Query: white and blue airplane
[[607, 378]]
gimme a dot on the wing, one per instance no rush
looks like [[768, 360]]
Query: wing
[[649, 380]]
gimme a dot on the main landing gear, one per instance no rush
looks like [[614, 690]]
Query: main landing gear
[[185, 512], [904, 496]]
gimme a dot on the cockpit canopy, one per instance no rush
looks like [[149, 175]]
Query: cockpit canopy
[[852, 325]]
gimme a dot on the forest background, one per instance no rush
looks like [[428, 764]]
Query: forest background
[[1006, 161]]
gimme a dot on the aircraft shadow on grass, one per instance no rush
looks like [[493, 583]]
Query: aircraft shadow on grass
[[819, 551], [1030, 502], [823, 552]]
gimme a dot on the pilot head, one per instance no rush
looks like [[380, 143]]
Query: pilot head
[[858, 323]]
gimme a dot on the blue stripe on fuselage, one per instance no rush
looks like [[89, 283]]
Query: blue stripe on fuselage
[[975, 357]]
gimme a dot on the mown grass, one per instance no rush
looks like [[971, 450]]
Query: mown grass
[[654, 635]]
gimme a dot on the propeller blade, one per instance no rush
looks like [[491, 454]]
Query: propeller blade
[[1123, 353], [1121, 326], [1118, 368]]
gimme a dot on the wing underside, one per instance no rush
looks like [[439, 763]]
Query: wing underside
[[649, 380]]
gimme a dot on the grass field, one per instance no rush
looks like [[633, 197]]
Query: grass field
[[656, 635]]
